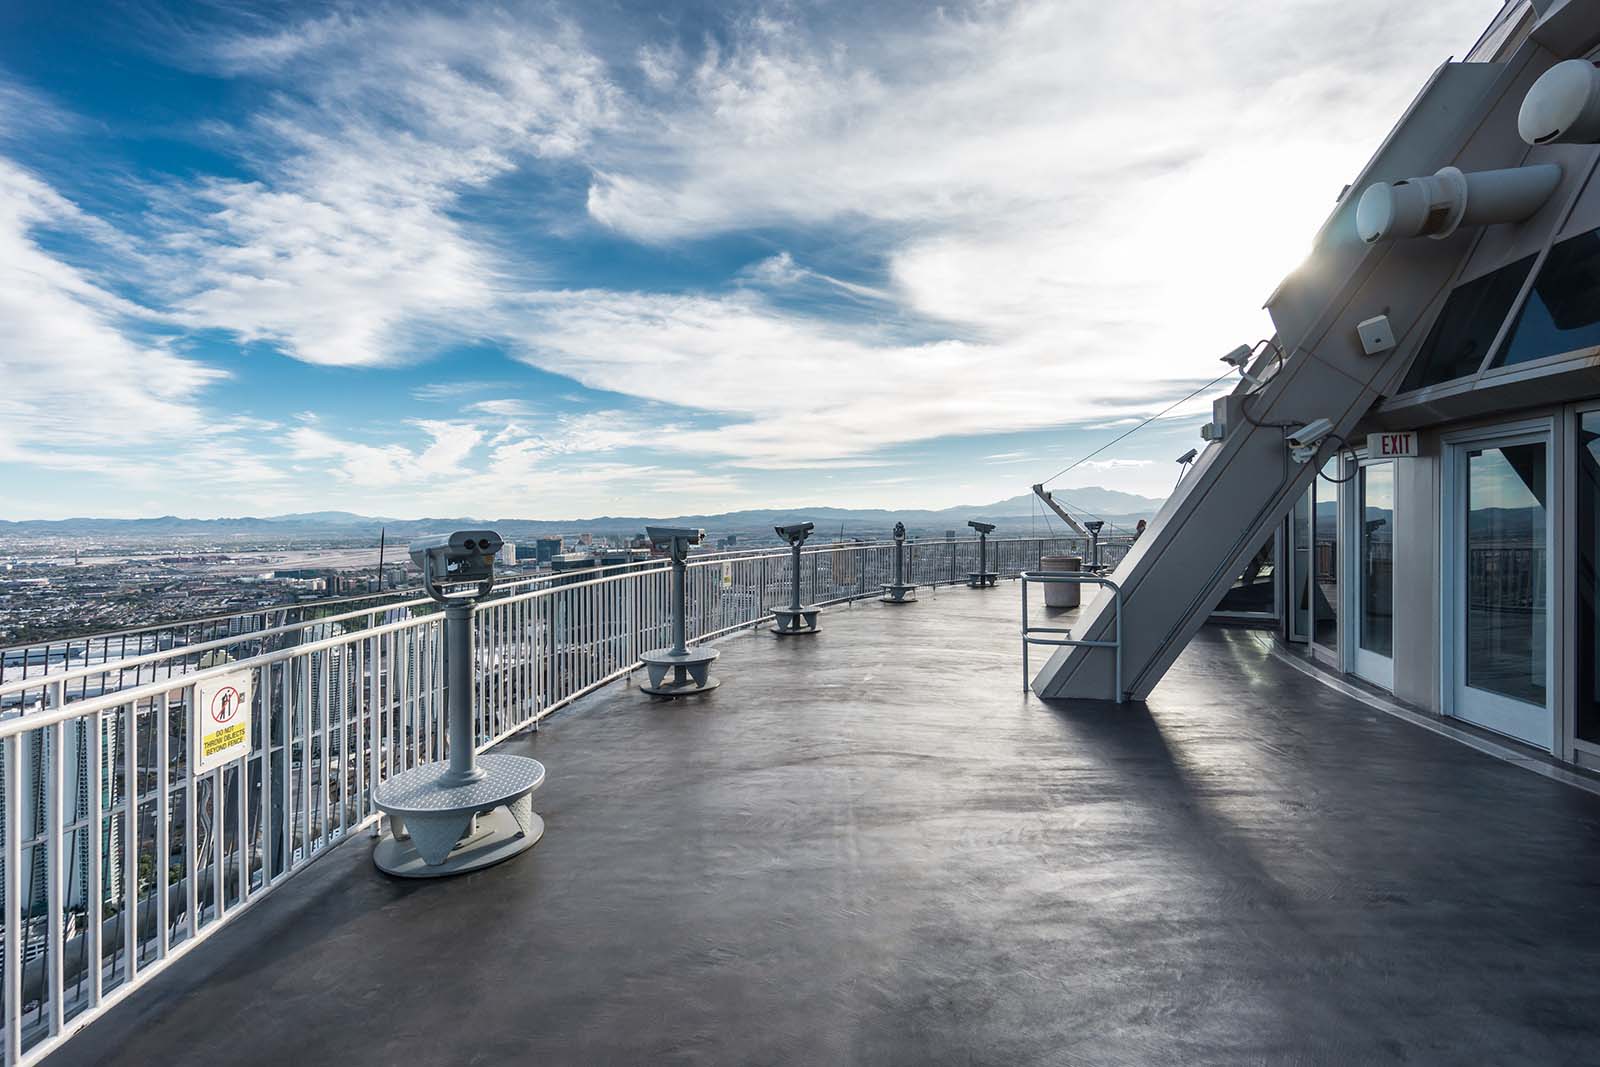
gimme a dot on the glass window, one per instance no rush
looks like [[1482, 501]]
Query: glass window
[[1377, 558], [1300, 568], [1460, 338], [1252, 593], [1588, 578], [1562, 312], [1505, 583], [1325, 556]]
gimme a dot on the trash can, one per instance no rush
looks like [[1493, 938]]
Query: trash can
[[1061, 594]]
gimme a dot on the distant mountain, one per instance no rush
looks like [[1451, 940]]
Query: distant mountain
[[1092, 501]]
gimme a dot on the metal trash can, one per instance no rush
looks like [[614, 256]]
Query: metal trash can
[[1061, 594]]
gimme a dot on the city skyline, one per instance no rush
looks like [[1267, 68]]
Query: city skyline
[[560, 261]]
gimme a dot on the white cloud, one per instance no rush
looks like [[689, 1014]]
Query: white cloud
[[384, 466], [1072, 211], [348, 249], [76, 375], [1113, 464]]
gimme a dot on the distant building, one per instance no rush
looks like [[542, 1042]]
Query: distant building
[[508, 554], [586, 539], [546, 549]]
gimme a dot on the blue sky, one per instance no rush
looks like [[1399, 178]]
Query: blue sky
[[558, 260]]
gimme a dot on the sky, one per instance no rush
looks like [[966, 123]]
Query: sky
[[557, 260]]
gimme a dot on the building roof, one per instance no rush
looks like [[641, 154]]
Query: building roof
[[873, 847]]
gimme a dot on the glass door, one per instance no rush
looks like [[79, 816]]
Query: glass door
[[1499, 580], [1586, 519], [1325, 560], [1373, 584], [1300, 568], [1254, 594]]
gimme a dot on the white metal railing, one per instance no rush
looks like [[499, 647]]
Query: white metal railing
[[117, 857], [1031, 633], [97, 663]]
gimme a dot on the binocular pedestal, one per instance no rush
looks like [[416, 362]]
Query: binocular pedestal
[[897, 591], [983, 577], [691, 672], [466, 813], [796, 618], [438, 828], [690, 667], [788, 622]]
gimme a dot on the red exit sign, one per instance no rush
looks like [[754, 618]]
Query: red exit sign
[[1390, 445]]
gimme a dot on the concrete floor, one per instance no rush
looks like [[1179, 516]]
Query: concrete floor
[[870, 847]]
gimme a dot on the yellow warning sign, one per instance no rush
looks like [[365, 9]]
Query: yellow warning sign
[[222, 719], [223, 739]]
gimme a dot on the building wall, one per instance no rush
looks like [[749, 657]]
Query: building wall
[[1416, 576]]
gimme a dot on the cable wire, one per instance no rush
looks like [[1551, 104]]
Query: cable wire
[[1133, 430]]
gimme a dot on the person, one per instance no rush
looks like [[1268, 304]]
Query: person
[[1138, 531]]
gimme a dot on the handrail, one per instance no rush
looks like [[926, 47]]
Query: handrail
[[514, 588], [114, 846], [1028, 632]]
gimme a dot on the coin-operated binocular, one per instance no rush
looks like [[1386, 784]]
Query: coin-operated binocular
[[690, 667], [1094, 526], [983, 577], [797, 618], [466, 556], [468, 812], [897, 591]]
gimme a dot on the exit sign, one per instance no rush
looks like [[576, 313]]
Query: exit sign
[[1390, 445]]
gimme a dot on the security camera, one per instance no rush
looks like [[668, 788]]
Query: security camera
[[1304, 441], [1240, 358], [795, 533], [981, 527], [463, 556], [1188, 457]]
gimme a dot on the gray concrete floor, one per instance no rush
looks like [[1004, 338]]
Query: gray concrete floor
[[871, 847]]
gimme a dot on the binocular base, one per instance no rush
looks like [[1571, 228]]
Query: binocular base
[[791, 622], [690, 670], [982, 579], [439, 829], [899, 594]]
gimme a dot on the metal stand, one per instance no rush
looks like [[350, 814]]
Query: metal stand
[[983, 577], [797, 618], [464, 814], [690, 667], [898, 592]]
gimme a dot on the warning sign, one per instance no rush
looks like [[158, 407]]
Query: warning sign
[[222, 720]]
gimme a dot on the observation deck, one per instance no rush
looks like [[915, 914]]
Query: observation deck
[[861, 850]]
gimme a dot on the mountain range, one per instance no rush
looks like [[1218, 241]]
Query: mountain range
[[1023, 511]]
